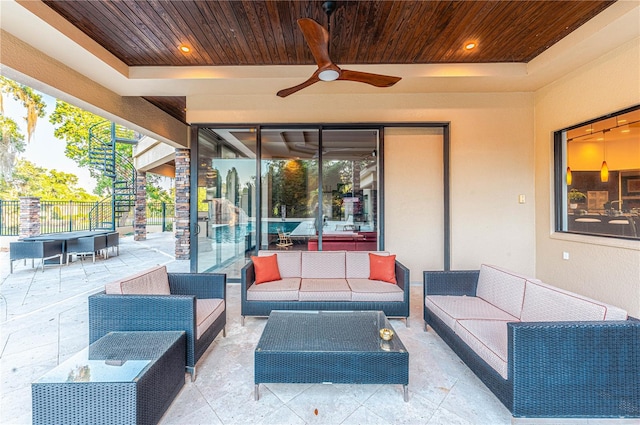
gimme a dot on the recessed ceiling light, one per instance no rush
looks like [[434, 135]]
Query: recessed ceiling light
[[185, 49], [470, 46]]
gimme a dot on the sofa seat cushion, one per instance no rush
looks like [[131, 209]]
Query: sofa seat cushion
[[324, 290], [279, 290], [374, 290], [323, 265], [502, 288], [288, 262], [153, 281], [546, 303], [207, 311], [488, 339], [357, 263], [450, 308]]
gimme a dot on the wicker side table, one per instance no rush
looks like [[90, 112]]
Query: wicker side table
[[122, 378]]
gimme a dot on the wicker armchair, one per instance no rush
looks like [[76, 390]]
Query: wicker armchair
[[88, 245], [43, 250], [175, 312]]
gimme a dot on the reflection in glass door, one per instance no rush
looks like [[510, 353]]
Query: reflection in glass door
[[305, 209], [226, 199], [349, 190], [289, 194]]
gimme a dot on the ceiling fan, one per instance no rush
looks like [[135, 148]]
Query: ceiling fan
[[317, 38]]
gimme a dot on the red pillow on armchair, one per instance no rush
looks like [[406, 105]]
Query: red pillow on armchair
[[266, 268], [382, 267]]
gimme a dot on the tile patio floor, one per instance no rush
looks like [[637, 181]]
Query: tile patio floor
[[43, 319]]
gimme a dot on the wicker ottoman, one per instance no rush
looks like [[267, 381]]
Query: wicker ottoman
[[122, 378]]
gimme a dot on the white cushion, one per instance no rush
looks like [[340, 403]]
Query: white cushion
[[207, 311], [323, 265], [450, 308], [288, 262], [357, 263], [154, 281], [374, 290], [502, 288], [546, 303], [488, 339], [278, 290], [324, 290]]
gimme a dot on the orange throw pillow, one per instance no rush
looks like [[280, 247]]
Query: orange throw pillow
[[266, 268], [382, 267]]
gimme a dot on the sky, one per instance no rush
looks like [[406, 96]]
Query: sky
[[44, 149]]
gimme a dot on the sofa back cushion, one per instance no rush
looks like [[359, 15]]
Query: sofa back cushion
[[502, 288], [546, 303], [323, 264], [357, 263], [154, 281], [288, 262]]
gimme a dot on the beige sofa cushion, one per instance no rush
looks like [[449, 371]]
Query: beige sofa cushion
[[154, 281], [374, 290], [324, 290], [357, 263], [502, 288], [451, 308], [323, 265], [546, 303], [280, 290], [288, 262], [207, 311], [488, 339]]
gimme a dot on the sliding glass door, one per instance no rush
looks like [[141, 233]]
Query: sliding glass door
[[317, 190], [226, 198]]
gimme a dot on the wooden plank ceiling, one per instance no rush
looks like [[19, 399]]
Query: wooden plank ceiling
[[264, 32]]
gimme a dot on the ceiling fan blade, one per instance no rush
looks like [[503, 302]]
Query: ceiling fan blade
[[377, 80], [312, 80], [317, 38]]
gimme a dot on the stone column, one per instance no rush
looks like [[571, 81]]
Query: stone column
[[140, 214], [29, 217], [183, 191]]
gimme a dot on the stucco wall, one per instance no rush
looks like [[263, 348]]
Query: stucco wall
[[491, 165], [600, 268]]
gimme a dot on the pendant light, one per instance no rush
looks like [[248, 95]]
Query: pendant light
[[604, 169], [569, 176]]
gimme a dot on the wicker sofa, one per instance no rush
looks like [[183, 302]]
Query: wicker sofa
[[542, 351], [155, 300], [324, 280]]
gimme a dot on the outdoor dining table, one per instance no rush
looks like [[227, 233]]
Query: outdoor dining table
[[65, 237]]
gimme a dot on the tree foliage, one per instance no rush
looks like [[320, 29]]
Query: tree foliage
[[31, 101], [50, 185], [11, 143]]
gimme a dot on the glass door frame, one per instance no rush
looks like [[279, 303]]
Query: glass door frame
[[380, 127]]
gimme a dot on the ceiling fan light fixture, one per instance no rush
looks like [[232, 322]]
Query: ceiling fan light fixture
[[328, 75]]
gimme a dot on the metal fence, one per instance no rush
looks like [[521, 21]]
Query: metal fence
[[69, 216], [9, 218], [162, 214], [64, 216]]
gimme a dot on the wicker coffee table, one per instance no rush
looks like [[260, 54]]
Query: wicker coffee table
[[122, 378], [329, 347]]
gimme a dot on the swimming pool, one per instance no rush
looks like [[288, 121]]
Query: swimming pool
[[239, 232]]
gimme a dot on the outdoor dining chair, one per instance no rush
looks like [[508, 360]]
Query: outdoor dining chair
[[44, 250], [88, 245], [113, 243]]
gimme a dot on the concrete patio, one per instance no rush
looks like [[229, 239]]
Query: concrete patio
[[43, 316]]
